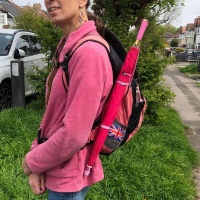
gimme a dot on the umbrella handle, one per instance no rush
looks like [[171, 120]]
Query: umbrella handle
[[87, 170], [142, 29]]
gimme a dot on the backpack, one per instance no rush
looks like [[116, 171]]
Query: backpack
[[133, 106]]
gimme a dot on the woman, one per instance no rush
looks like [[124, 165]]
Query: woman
[[58, 164]]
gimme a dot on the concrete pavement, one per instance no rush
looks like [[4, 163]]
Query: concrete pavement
[[187, 101], [187, 104]]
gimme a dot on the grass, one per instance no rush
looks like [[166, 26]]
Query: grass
[[190, 69], [155, 165]]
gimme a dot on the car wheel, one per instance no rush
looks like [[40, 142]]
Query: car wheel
[[5, 96]]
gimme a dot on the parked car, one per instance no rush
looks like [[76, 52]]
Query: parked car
[[186, 55], [17, 45]]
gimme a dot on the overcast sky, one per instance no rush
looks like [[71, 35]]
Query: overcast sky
[[190, 11], [31, 2]]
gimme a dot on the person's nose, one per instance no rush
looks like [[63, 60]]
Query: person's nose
[[47, 1]]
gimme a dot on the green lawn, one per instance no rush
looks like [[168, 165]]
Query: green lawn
[[155, 165], [190, 69]]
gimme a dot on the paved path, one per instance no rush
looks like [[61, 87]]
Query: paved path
[[187, 104]]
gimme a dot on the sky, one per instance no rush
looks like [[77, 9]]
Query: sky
[[31, 2], [190, 11]]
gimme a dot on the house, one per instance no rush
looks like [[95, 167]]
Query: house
[[197, 33], [169, 37], [37, 7], [8, 11], [182, 36], [189, 35]]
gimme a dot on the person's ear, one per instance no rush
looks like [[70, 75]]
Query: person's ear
[[82, 3]]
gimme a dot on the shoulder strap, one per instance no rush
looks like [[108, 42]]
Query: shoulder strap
[[68, 55], [94, 38]]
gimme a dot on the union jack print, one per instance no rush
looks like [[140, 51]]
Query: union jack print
[[116, 132]]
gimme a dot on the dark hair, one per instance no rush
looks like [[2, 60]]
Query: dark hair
[[88, 4], [98, 22]]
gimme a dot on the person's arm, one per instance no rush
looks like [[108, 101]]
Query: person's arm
[[87, 78]]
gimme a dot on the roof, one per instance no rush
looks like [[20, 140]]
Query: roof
[[10, 7], [2, 9], [197, 21], [37, 7], [182, 30], [190, 27]]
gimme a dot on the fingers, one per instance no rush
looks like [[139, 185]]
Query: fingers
[[37, 183], [25, 168], [43, 182]]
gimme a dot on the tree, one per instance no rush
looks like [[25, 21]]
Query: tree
[[161, 10], [174, 43], [167, 28], [168, 16], [46, 32], [119, 16]]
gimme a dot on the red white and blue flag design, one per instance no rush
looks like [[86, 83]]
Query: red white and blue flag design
[[117, 132]]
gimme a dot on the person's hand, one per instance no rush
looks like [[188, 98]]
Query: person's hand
[[37, 183], [25, 168]]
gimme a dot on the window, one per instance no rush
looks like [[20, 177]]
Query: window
[[5, 41], [0, 18], [3, 19], [24, 45], [36, 47]]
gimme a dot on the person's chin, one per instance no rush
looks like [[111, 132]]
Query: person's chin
[[55, 21]]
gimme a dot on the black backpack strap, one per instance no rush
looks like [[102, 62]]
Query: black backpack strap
[[64, 64], [68, 55]]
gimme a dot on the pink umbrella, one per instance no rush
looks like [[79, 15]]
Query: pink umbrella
[[119, 89]]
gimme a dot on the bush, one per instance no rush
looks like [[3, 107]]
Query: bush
[[38, 77], [151, 65], [174, 43], [178, 50]]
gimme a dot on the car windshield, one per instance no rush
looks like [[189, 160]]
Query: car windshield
[[190, 50], [5, 43]]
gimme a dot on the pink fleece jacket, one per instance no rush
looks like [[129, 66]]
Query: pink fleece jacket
[[70, 115]]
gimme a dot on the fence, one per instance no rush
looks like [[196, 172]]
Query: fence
[[193, 56]]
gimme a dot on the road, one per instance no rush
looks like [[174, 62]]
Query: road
[[187, 104]]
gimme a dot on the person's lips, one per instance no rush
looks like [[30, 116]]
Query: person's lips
[[52, 9]]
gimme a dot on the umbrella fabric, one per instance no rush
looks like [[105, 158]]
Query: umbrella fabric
[[111, 108]]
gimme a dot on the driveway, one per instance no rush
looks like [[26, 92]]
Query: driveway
[[187, 104]]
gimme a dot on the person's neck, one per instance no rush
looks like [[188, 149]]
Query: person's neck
[[67, 29]]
